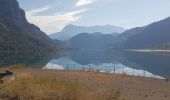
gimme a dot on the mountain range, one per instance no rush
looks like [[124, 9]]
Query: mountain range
[[17, 34], [152, 36], [72, 30]]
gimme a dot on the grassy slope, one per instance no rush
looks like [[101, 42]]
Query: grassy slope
[[89, 86], [29, 87]]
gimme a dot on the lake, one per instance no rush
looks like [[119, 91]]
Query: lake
[[111, 61]]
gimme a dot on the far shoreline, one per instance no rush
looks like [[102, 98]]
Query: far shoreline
[[148, 50]]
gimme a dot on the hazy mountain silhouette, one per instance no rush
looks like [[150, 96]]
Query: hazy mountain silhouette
[[92, 41], [72, 30]]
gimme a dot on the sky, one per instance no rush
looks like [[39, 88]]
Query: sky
[[53, 15]]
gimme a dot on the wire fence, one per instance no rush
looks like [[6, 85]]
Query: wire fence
[[112, 69], [123, 70]]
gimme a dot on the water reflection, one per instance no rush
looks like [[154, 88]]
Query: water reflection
[[24, 58], [101, 60], [116, 68], [106, 60], [156, 63]]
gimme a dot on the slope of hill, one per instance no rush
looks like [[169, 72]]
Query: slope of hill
[[16, 33], [92, 41], [151, 36], [71, 30], [120, 40]]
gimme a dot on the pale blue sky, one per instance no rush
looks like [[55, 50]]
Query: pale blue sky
[[52, 15]]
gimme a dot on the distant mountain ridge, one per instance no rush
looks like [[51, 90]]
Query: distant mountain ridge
[[92, 41], [72, 30], [16, 33], [154, 35]]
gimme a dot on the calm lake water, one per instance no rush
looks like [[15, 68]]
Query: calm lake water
[[133, 63]]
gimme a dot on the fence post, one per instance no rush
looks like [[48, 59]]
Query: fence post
[[97, 69], [74, 67], [144, 73], [67, 67], [89, 67], [114, 69]]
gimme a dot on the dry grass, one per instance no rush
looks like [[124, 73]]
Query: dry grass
[[17, 66], [28, 87], [89, 86]]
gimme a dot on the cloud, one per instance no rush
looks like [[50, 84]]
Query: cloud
[[54, 22], [39, 10], [84, 2]]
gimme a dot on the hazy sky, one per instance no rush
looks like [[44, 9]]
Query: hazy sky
[[52, 15]]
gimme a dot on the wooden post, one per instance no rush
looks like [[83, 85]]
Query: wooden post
[[74, 67], [89, 67], [114, 69], [67, 67]]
